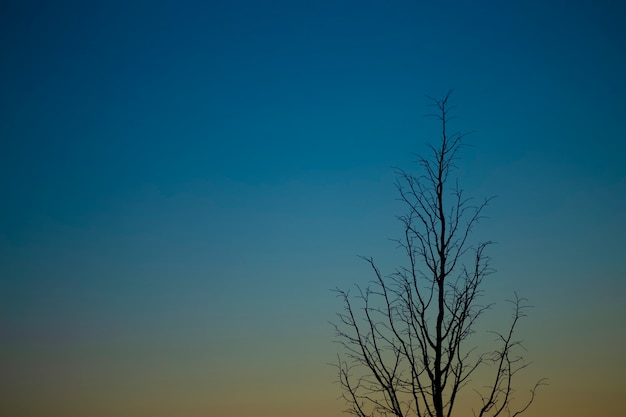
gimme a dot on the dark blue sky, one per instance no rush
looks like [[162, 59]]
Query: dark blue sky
[[181, 181]]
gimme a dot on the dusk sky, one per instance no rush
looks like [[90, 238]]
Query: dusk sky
[[183, 183]]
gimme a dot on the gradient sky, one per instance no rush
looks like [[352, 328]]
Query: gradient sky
[[182, 183]]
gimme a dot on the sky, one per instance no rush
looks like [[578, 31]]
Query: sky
[[183, 183]]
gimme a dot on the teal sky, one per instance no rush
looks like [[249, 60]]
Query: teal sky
[[182, 183]]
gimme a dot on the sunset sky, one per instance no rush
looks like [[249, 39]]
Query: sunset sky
[[183, 183]]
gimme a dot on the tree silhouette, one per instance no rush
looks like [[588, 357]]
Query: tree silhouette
[[406, 340]]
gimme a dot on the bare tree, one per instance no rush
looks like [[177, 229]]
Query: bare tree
[[406, 338]]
